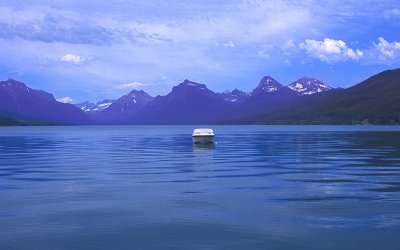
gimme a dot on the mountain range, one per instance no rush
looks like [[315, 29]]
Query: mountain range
[[305, 101]]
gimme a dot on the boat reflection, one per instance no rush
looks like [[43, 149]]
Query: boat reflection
[[203, 146]]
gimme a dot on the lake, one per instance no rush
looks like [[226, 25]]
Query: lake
[[149, 187]]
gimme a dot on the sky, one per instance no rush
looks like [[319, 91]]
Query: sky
[[92, 50]]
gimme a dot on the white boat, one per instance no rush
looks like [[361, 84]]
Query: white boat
[[203, 135]]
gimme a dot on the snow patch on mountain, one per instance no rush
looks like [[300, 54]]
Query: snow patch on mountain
[[93, 107], [308, 86], [235, 96]]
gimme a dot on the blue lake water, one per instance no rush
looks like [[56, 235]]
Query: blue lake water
[[149, 187]]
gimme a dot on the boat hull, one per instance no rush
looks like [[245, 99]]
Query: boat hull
[[205, 139]]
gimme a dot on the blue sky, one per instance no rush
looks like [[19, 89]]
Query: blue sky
[[92, 50]]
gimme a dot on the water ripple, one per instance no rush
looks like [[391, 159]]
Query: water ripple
[[258, 184]]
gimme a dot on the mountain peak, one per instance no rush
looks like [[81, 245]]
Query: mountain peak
[[267, 84], [14, 88], [13, 82], [308, 86], [137, 92], [187, 85], [237, 92], [267, 78], [124, 108], [187, 82], [19, 100]]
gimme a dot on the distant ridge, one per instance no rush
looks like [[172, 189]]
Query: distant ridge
[[305, 101], [235, 96]]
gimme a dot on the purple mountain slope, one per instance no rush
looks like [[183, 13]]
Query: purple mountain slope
[[187, 103], [309, 86], [375, 100], [124, 108], [18, 100]]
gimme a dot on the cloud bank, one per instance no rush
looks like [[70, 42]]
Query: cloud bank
[[330, 50], [91, 48]]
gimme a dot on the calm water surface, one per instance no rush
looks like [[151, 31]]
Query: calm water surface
[[148, 187]]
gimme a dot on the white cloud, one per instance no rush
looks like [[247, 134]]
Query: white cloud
[[75, 59], [132, 85], [330, 50], [65, 99], [387, 51], [229, 44]]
